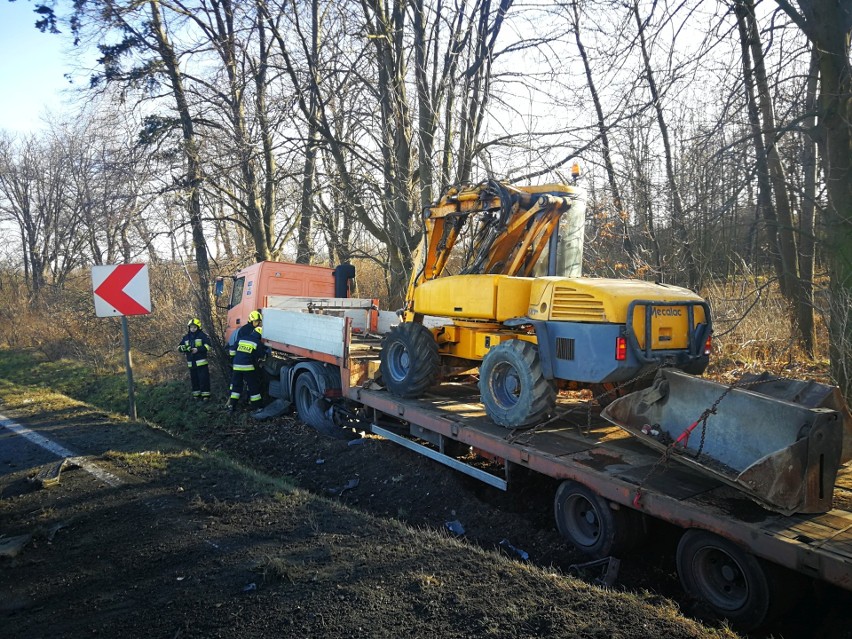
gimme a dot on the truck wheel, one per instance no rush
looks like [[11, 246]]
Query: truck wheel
[[409, 360], [732, 582], [311, 407], [592, 525], [513, 388]]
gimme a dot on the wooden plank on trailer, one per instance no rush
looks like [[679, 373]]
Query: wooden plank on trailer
[[671, 480], [836, 519], [835, 524], [321, 333], [783, 525], [556, 443], [729, 503], [811, 530]]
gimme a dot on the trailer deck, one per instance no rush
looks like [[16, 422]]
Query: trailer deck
[[621, 469], [620, 473]]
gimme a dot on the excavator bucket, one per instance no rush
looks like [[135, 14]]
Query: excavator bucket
[[778, 441]]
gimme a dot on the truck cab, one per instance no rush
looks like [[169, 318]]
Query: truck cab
[[253, 284]]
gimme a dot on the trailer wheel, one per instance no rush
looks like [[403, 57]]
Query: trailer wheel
[[594, 527], [731, 581], [312, 407], [409, 360], [513, 388]]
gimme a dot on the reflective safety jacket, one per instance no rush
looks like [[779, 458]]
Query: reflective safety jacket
[[199, 341], [247, 348]]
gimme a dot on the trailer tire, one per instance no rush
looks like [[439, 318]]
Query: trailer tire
[[311, 406], [513, 387], [733, 583], [592, 525], [409, 361]]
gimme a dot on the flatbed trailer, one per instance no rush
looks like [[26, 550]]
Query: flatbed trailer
[[735, 555]]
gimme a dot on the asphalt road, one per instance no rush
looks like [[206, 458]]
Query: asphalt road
[[18, 452]]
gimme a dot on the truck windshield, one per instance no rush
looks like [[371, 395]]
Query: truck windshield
[[237, 291]]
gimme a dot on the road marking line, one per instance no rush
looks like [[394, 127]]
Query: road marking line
[[60, 451]]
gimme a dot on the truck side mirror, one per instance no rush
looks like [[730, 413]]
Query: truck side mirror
[[219, 287]]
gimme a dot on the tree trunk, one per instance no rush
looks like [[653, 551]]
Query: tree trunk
[[828, 25], [807, 226], [765, 206], [194, 173], [678, 213], [791, 285], [621, 213], [303, 244]]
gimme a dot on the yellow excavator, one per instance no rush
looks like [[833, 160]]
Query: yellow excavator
[[496, 286]]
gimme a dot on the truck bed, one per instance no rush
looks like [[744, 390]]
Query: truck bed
[[614, 464]]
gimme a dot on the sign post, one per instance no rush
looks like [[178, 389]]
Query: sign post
[[123, 290]]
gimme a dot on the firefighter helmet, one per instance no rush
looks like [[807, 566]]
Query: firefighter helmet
[[194, 322], [255, 316]]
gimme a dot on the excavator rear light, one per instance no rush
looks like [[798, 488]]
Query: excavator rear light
[[620, 349], [708, 345]]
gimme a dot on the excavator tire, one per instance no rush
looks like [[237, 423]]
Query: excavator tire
[[409, 362], [513, 388]]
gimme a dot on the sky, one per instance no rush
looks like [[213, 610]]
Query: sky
[[32, 66]]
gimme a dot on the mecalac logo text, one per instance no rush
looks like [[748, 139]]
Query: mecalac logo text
[[666, 312]]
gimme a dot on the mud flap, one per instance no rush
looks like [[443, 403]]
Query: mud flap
[[274, 409]]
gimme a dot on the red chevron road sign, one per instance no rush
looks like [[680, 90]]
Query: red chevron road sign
[[121, 290]]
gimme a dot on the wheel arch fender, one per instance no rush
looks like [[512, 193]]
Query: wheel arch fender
[[545, 355], [323, 374]]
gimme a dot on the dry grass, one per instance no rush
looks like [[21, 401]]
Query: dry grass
[[752, 322], [753, 332]]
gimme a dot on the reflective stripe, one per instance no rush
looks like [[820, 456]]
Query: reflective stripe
[[235, 395], [189, 364], [246, 346], [255, 398], [198, 343], [243, 367], [205, 394], [201, 362]]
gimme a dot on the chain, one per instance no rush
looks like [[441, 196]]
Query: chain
[[516, 433]]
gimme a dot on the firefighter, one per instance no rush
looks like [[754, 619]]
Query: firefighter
[[195, 344], [247, 351]]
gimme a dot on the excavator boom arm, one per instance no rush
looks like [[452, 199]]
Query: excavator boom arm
[[511, 228]]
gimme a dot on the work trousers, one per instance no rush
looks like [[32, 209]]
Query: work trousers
[[252, 381], [199, 377]]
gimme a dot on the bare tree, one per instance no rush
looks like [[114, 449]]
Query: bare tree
[[828, 26]]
